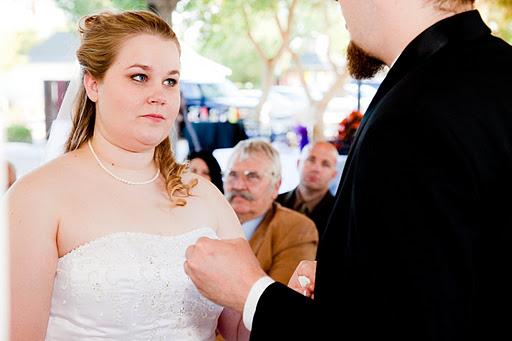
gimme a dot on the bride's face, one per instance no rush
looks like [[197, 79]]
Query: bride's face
[[138, 99]]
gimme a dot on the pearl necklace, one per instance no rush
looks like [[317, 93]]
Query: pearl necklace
[[128, 182]]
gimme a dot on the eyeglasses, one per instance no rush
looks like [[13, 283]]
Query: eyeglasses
[[249, 177]]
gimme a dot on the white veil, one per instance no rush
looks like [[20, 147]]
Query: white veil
[[61, 126]]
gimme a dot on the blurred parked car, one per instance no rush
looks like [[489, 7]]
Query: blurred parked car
[[223, 101], [279, 113], [288, 106], [285, 107], [214, 101], [354, 95]]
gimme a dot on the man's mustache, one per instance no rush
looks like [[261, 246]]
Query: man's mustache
[[243, 194]]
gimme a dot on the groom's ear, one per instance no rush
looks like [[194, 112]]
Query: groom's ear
[[91, 86]]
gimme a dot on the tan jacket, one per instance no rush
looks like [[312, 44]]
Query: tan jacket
[[284, 238]]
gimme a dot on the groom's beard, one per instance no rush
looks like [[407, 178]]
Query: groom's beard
[[362, 65]]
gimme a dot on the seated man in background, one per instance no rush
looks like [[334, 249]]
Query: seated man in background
[[317, 167], [279, 237]]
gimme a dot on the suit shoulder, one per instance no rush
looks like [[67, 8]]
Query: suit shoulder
[[284, 198], [329, 197]]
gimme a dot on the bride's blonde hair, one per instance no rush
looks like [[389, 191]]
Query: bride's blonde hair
[[101, 38]]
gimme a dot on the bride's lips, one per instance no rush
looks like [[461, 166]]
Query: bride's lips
[[155, 117]]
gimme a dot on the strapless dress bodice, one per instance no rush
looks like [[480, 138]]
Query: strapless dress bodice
[[130, 286]]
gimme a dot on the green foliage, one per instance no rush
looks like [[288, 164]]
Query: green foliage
[[223, 30], [506, 5], [505, 22], [224, 38], [78, 8], [18, 133], [498, 14]]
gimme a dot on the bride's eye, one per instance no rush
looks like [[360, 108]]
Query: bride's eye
[[139, 77], [170, 82]]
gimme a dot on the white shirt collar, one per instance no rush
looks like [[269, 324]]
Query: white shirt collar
[[250, 226], [394, 61]]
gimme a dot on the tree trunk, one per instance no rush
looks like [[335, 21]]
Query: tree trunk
[[320, 106], [268, 79], [163, 8], [270, 62]]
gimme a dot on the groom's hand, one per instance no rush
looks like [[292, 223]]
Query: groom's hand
[[303, 279], [223, 270]]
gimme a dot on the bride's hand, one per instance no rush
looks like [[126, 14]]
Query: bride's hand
[[303, 279]]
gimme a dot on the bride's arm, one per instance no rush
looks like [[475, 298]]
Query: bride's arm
[[231, 326], [33, 257], [222, 216]]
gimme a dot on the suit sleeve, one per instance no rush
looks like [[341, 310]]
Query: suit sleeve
[[284, 314]]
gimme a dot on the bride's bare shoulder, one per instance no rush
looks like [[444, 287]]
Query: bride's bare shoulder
[[221, 216], [202, 188], [52, 175]]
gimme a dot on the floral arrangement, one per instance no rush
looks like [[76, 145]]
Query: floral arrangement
[[346, 131]]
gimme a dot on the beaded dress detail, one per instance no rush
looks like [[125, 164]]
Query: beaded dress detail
[[130, 286]]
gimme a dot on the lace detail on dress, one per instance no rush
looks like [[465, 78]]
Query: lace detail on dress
[[130, 286]]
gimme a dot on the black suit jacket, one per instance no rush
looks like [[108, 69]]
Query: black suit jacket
[[320, 213], [420, 241]]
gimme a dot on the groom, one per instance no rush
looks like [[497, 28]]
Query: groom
[[419, 244]]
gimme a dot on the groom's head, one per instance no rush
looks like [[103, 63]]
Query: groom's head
[[381, 29]]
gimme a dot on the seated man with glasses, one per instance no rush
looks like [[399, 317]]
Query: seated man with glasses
[[279, 237]]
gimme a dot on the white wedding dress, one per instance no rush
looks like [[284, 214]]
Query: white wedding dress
[[130, 286]]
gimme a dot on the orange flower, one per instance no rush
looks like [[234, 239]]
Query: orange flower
[[348, 126]]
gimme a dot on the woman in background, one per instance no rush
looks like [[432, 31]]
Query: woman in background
[[205, 164]]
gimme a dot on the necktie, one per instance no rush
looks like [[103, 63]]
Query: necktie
[[303, 208]]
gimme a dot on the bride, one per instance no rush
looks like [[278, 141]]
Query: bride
[[98, 235]]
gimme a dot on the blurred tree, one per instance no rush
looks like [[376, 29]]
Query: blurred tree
[[319, 105], [498, 13], [163, 8], [14, 47], [79, 8], [258, 39], [261, 39]]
